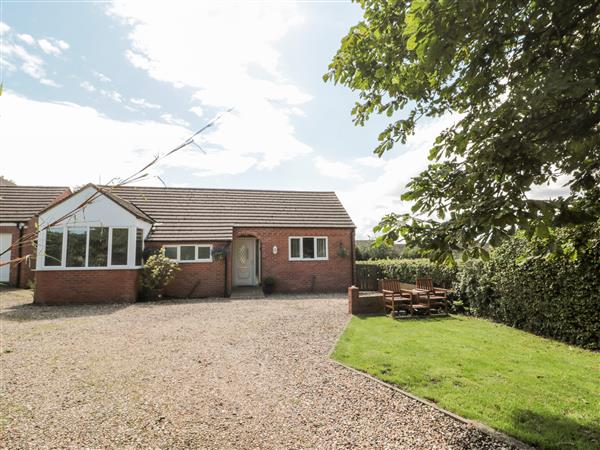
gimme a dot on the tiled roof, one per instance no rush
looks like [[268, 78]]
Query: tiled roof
[[211, 214], [21, 203]]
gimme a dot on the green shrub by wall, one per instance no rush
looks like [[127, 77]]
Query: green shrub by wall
[[557, 298]]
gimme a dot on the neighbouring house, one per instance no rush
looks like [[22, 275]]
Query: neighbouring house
[[221, 238], [18, 208]]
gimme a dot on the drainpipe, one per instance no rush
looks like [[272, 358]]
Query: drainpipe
[[226, 264], [352, 245], [21, 227]]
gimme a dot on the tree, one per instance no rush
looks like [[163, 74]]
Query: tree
[[523, 81], [6, 182]]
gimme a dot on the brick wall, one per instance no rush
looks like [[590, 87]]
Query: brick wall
[[332, 275], [366, 303], [196, 280], [59, 287], [25, 267]]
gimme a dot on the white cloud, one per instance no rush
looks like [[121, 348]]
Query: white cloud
[[113, 95], [48, 47], [49, 82], [369, 201], [27, 38], [88, 86], [139, 61], [169, 118], [31, 64], [371, 161], [237, 40], [197, 110], [62, 44], [14, 55], [336, 169], [144, 103], [552, 189], [73, 144], [101, 77]]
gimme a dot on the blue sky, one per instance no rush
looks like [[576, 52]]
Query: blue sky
[[92, 90]]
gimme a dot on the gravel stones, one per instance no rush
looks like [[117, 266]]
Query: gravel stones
[[200, 374]]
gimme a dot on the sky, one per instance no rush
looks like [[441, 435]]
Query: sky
[[94, 90]]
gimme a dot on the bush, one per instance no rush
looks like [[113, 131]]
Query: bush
[[556, 297], [408, 270], [158, 272]]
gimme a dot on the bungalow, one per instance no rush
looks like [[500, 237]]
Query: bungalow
[[221, 238], [18, 208]]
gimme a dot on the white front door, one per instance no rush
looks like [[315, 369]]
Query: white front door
[[244, 262], [5, 241]]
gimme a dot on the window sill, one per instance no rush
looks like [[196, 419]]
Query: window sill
[[307, 259], [54, 269], [201, 261]]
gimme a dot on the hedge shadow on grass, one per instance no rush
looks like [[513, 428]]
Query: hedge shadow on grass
[[571, 434]]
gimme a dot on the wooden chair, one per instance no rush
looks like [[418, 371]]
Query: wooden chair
[[437, 297], [395, 297]]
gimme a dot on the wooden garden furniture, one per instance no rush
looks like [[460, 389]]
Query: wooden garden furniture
[[437, 297], [395, 297]]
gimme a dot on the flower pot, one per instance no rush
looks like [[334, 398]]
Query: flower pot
[[268, 289]]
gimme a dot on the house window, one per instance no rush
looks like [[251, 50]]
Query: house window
[[98, 247], [76, 246], [295, 248], [94, 247], [204, 253], [171, 253], [120, 243], [308, 248], [54, 246], [139, 246], [321, 247], [189, 253]]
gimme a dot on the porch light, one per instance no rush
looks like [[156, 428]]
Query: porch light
[[274, 249]]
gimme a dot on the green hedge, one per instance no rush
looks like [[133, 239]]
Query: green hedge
[[557, 297], [554, 297], [407, 270]]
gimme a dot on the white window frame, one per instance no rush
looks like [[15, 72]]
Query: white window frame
[[196, 260], [110, 240], [301, 257], [109, 266], [63, 250]]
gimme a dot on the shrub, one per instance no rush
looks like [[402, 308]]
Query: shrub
[[158, 271], [268, 285], [556, 297], [408, 270]]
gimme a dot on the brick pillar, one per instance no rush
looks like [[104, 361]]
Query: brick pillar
[[352, 299]]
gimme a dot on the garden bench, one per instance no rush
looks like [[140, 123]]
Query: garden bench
[[398, 296], [437, 297]]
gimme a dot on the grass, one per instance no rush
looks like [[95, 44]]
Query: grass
[[540, 391]]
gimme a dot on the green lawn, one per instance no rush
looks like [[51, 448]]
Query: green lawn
[[537, 390]]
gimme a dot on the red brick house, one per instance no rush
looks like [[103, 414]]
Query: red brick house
[[18, 208], [221, 238]]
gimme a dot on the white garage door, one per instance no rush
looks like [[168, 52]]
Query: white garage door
[[5, 241]]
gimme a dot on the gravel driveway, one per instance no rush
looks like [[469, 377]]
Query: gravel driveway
[[199, 374]]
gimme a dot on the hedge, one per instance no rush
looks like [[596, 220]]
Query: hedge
[[408, 270], [555, 297]]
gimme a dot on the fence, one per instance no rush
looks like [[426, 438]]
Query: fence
[[367, 276]]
